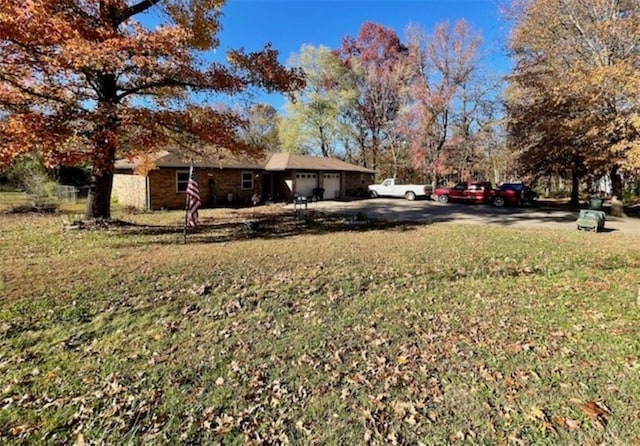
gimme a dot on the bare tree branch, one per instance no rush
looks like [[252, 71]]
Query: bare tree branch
[[136, 9]]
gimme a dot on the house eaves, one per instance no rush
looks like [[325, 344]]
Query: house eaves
[[273, 162], [278, 162]]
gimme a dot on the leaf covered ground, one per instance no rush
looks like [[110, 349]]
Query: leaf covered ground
[[272, 329]]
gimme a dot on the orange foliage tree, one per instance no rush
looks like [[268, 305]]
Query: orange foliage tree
[[84, 81], [377, 58], [440, 117], [574, 98]]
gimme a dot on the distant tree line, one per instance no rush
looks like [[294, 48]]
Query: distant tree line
[[427, 109]]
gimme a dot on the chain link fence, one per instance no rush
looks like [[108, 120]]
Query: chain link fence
[[67, 194]]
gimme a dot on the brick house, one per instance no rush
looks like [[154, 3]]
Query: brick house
[[232, 181]]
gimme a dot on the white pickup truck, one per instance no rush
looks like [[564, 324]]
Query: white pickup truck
[[393, 187]]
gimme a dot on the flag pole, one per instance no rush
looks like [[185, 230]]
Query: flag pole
[[192, 202], [186, 206]]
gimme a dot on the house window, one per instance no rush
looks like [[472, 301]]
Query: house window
[[182, 178], [247, 180]]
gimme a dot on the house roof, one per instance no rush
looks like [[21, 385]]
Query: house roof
[[165, 158], [272, 162]]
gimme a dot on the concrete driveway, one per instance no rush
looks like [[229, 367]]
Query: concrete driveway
[[539, 216]]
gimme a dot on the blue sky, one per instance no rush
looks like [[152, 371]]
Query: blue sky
[[289, 24]]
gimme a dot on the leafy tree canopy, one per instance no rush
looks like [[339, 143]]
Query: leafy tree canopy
[[85, 81], [316, 119], [575, 88]]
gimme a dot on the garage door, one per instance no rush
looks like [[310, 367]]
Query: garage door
[[331, 184], [306, 183]]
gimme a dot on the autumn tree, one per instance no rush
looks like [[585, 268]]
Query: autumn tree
[[84, 80], [556, 142], [446, 60], [375, 57], [260, 128], [575, 91], [315, 120], [477, 124]]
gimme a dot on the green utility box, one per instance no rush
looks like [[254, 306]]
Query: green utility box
[[596, 204], [591, 220]]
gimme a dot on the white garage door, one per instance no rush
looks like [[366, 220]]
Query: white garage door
[[306, 183], [331, 184]]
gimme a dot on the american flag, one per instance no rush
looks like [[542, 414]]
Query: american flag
[[193, 199]]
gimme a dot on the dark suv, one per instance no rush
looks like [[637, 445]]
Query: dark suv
[[520, 193]]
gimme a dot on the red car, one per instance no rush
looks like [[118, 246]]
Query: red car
[[517, 193], [476, 192], [472, 192]]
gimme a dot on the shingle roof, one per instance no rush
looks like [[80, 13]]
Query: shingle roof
[[290, 161], [273, 162], [165, 158]]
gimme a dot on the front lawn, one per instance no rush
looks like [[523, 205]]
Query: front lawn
[[312, 331]]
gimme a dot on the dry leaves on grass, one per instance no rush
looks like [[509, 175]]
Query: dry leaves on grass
[[566, 423], [597, 412]]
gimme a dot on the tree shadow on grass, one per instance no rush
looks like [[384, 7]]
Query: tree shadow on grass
[[271, 226]]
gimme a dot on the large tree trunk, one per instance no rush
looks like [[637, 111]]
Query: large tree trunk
[[617, 209], [434, 178], [575, 188], [323, 142], [374, 150], [104, 152], [99, 199], [363, 149], [101, 181]]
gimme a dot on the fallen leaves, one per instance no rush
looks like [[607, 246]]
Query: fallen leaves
[[22, 429], [566, 423], [313, 346], [596, 411]]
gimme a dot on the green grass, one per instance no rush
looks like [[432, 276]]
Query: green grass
[[437, 334], [16, 201], [12, 199]]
